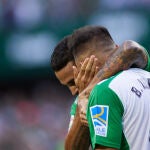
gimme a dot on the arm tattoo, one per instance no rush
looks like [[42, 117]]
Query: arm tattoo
[[129, 54], [125, 57]]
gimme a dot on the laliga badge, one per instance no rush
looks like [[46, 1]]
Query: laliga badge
[[99, 115]]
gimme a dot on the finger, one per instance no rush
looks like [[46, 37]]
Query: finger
[[90, 69], [96, 70], [88, 77], [93, 69], [83, 67], [78, 80], [81, 73]]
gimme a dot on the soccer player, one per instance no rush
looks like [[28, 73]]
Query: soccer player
[[62, 61], [118, 111]]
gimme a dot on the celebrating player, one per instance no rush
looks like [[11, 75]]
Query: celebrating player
[[118, 110]]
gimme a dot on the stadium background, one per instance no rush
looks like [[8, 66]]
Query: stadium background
[[34, 107]]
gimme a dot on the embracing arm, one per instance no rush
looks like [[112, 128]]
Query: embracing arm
[[129, 54]]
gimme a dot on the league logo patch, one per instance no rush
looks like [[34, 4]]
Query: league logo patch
[[99, 114]]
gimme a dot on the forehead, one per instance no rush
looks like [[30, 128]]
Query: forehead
[[65, 74]]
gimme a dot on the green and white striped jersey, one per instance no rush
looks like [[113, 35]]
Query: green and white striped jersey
[[118, 111]]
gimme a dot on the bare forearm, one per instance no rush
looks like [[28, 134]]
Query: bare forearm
[[78, 137]]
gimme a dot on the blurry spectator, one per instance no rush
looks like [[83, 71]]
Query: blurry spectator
[[13, 141], [35, 117]]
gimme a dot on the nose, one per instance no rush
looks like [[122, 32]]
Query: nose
[[74, 90]]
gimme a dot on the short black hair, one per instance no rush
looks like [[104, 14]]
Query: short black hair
[[86, 33], [61, 55]]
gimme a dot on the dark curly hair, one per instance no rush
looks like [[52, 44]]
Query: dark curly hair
[[61, 55]]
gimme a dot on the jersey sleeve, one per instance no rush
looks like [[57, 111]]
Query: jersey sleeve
[[104, 115], [147, 68]]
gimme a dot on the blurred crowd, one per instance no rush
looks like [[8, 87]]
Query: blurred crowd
[[34, 117], [56, 12], [29, 29], [18, 12], [33, 27]]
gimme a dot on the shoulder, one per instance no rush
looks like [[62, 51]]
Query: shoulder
[[121, 80]]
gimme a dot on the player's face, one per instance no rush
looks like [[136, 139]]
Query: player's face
[[66, 77]]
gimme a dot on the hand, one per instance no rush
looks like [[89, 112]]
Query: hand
[[86, 73]]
